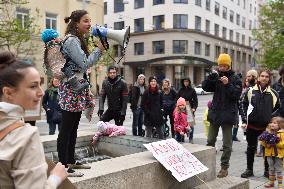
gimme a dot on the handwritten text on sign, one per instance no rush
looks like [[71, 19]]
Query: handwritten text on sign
[[174, 157]]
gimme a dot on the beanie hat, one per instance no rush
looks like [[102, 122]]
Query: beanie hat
[[151, 78], [49, 34], [140, 76], [253, 73], [101, 126], [224, 59], [209, 104], [181, 101]]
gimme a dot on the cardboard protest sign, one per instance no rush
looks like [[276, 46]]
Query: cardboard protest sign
[[174, 157]]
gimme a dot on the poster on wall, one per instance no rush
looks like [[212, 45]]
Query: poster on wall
[[175, 158]]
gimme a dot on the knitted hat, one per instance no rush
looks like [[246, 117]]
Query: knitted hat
[[101, 126], [49, 34], [181, 101], [224, 59], [253, 73], [140, 75], [151, 78]]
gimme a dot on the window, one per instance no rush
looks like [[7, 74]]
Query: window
[[217, 51], [138, 4], [250, 24], [117, 50], [197, 47], [231, 35], [157, 2], [22, 17], [217, 8], [138, 48], [139, 25], [207, 49], [208, 5], [216, 30], [225, 13], [232, 54], [118, 25], [159, 22], [51, 21], [243, 39], [158, 47], [105, 8], [198, 3], [238, 19], [244, 4], [118, 6], [250, 8], [250, 41], [140, 70], [249, 59], [207, 26], [180, 46], [237, 37], [181, 1], [225, 50], [244, 57], [238, 2], [231, 16], [197, 23], [180, 21], [224, 32], [243, 22], [238, 56]]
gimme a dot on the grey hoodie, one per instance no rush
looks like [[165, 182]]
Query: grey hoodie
[[22, 161]]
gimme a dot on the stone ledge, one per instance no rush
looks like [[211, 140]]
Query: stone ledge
[[229, 182]]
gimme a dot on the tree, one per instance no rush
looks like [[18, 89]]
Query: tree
[[271, 34], [18, 32]]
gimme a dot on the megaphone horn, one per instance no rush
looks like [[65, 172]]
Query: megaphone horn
[[121, 36]]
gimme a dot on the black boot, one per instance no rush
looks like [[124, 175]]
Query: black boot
[[76, 85], [247, 173]]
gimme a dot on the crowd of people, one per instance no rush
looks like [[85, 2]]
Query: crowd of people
[[259, 105]]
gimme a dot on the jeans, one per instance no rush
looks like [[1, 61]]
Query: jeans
[[159, 130], [190, 137], [137, 123], [67, 136], [112, 114], [171, 116], [227, 142], [179, 137], [52, 127]]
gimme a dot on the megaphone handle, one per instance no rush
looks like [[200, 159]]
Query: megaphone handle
[[103, 39]]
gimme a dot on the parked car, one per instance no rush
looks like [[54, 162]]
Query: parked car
[[200, 91]]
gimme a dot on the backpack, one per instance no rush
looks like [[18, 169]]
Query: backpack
[[54, 59]]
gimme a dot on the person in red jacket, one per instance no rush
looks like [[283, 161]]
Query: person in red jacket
[[181, 125]]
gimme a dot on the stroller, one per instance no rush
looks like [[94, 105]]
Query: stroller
[[165, 128]]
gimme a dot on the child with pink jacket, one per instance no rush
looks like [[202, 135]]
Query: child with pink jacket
[[108, 129], [181, 125]]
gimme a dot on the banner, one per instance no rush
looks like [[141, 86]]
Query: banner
[[175, 158]]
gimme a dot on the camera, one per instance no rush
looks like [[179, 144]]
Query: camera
[[213, 75]]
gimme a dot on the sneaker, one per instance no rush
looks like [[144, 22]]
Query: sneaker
[[236, 139], [247, 173], [72, 173], [269, 185], [79, 165], [222, 173]]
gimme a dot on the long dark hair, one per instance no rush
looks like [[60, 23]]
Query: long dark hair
[[10, 70], [72, 27]]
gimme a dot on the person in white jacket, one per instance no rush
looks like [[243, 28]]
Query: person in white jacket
[[22, 160]]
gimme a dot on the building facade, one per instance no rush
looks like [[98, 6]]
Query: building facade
[[51, 14], [183, 38]]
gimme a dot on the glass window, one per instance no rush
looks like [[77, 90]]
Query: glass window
[[51, 21], [217, 8], [244, 57], [250, 8], [238, 20], [225, 50], [208, 5], [216, 29], [159, 22], [232, 54], [118, 6], [243, 22], [197, 23], [250, 24], [181, 1], [197, 47], [22, 17], [180, 21], [158, 47], [105, 8], [225, 13], [231, 35], [139, 25], [180, 46], [138, 4], [238, 56], [231, 16], [118, 25], [217, 51], [198, 2], [207, 49], [140, 70], [243, 39], [117, 50], [138, 48], [238, 2], [224, 32], [237, 37], [157, 2], [244, 4], [207, 26], [250, 41]]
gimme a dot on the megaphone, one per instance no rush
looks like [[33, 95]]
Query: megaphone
[[121, 36]]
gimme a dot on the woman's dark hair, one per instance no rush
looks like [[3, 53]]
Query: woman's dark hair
[[10, 74], [72, 27], [281, 70]]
